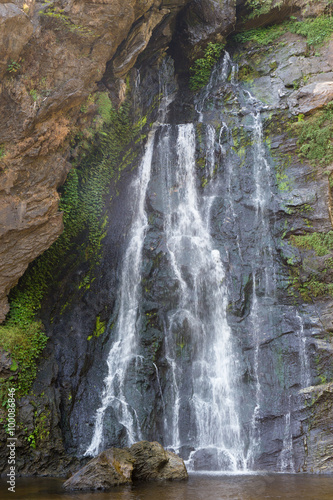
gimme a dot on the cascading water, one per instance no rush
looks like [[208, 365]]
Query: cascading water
[[123, 354], [200, 385], [201, 309]]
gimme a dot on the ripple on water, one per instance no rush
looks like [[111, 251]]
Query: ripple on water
[[200, 486]]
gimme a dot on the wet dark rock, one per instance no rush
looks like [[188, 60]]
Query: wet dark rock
[[211, 460], [6, 365]]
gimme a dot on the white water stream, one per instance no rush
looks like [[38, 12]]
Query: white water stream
[[208, 392]]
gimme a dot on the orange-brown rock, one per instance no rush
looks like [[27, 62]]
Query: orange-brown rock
[[52, 55]]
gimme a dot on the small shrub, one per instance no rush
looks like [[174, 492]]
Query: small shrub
[[201, 69], [13, 66], [34, 94], [260, 7]]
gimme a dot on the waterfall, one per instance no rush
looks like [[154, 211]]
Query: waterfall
[[123, 353], [305, 364], [199, 314], [286, 458], [197, 267], [210, 409], [263, 267]]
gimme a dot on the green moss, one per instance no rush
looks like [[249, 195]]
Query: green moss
[[100, 327], [247, 73], [282, 181], [25, 345], [316, 284]]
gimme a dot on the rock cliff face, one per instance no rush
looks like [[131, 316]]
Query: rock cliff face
[[53, 57]]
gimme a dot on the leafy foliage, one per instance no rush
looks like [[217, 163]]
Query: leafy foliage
[[315, 30], [13, 66], [315, 136], [201, 69], [321, 243], [260, 7], [25, 345], [261, 36]]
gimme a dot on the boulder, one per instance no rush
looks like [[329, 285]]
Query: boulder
[[153, 463], [150, 458], [112, 467], [144, 461], [174, 469]]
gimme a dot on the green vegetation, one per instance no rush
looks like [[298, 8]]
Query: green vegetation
[[313, 278], [58, 14], [82, 204], [25, 343], [201, 69], [315, 136], [321, 243], [317, 283], [34, 94], [315, 30], [2, 151], [309, 289], [282, 181], [260, 7], [99, 328], [261, 36], [40, 431], [13, 66]]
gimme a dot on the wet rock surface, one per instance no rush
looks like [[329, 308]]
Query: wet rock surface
[[113, 467], [144, 461]]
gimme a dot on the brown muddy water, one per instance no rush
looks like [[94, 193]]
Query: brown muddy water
[[198, 487]]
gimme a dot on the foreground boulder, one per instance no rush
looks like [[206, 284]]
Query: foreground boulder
[[112, 467], [144, 461], [154, 463]]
